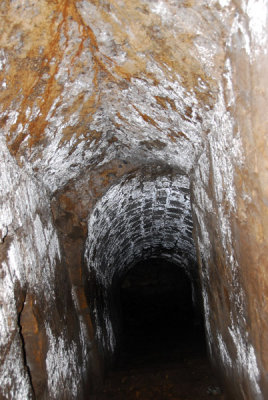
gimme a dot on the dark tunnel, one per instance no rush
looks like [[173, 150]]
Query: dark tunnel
[[146, 300], [160, 322]]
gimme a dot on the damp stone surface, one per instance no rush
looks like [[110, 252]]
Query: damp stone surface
[[130, 129]]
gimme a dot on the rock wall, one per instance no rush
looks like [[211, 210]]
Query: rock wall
[[40, 356], [92, 91], [230, 211]]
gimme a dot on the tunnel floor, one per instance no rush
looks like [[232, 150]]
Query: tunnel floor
[[162, 354]]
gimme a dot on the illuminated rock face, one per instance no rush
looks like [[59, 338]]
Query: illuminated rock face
[[124, 124]]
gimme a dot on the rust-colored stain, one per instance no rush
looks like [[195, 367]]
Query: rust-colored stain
[[173, 135], [146, 117], [34, 338], [111, 173], [3, 121], [33, 85], [32, 74], [66, 202], [162, 101]]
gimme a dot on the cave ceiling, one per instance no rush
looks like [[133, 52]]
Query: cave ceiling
[[85, 83]]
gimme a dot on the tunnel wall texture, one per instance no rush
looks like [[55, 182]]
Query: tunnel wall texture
[[142, 217], [90, 92], [32, 354], [229, 202], [137, 219]]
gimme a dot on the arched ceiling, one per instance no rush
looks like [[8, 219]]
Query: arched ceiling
[[143, 216], [86, 82]]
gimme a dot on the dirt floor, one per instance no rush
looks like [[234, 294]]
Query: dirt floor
[[173, 372], [162, 347]]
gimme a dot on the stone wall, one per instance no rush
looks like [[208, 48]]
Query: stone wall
[[141, 217], [87, 102], [146, 215], [40, 355], [229, 198]]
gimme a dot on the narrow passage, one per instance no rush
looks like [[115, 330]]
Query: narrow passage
[[163, 350]]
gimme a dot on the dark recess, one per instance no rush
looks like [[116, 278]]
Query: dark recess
[[158, 319]]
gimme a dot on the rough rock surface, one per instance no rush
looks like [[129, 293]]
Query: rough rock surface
[[93, 92]]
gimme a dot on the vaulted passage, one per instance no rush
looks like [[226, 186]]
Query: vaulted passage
[[146, 216], [146, 300], [159, 319], [133, 198], [162, 349]]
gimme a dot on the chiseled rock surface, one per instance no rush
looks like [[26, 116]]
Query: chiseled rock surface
[[92, 91], [39, 355], [86, 81]]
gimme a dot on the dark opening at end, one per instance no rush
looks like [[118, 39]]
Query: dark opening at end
[[161, 341], [159, 320]]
